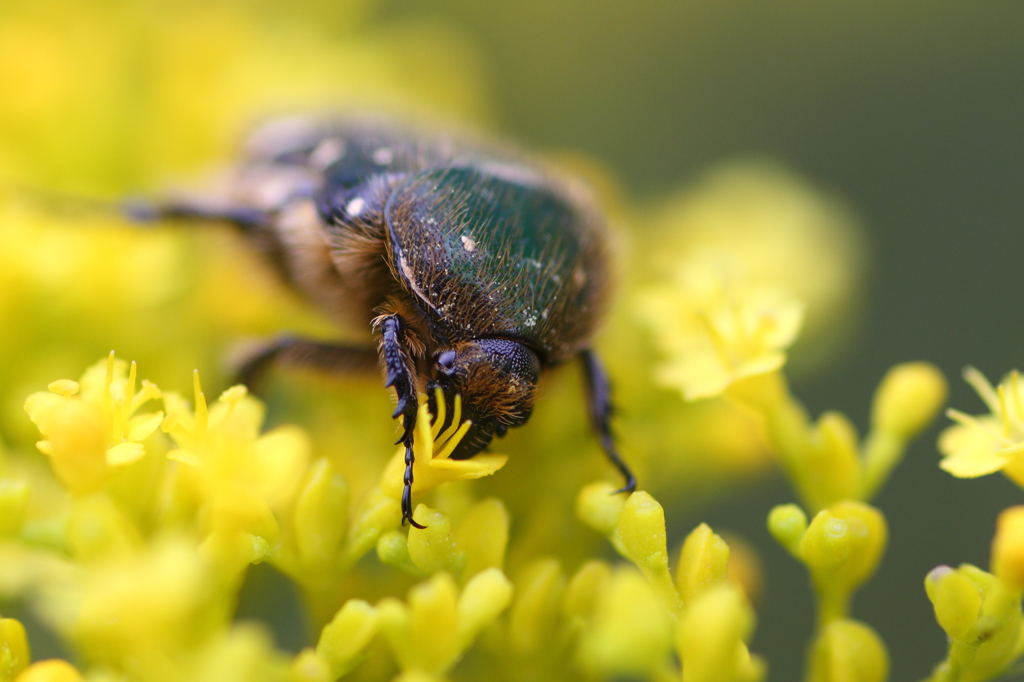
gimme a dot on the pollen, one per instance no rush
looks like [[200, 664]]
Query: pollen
[[468, 244]]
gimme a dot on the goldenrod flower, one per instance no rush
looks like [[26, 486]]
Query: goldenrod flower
[[985, 444], [716, 327], [433, 448], [982, 616], [239, 475], [90, 427]]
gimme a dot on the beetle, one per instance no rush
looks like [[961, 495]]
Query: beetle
[[476, 268]]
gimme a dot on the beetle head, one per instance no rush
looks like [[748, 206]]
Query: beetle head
[[497, 379]]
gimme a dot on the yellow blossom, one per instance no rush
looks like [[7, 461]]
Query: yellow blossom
[[240, 475], [982, 616], [716, 328], [976, 446], [433, 448], [90, 427]]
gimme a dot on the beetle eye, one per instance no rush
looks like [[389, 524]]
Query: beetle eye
[[446, 361]]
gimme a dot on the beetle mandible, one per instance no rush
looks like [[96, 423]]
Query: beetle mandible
[[476, 268]]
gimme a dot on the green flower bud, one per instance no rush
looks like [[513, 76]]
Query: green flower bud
[[711, 638], [703, 562], [842, 548], [13, 504], [344, 638], [641, 531], [631, 632], [483, 535], [907, 399], [598, 507], [848, 651], [14, 651], [787, 524], [538, 599], [321, 514], [393, 550], [956, 600], [585, 588], [309, 666], [432, 548], [831, 470], [1008, 547], [484, 597]]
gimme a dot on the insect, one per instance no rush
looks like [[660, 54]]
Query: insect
[[476, 269]]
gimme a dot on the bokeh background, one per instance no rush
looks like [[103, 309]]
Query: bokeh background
[[911, 112]]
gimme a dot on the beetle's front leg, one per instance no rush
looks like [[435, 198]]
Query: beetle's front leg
[[599, 401], [401, 376]]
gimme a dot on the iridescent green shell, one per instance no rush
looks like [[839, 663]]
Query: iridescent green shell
[[495, 250]]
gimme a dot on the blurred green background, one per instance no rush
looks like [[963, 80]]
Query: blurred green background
[[911, 110]]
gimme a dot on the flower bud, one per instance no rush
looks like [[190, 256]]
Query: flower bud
[[598, 507], [711, 638], [631, 632], [955, 598], [843, 545], [1008, 547], [308, 666], [831, 470], [641, 530], [483, 536], [52, 670], [907, 399], [848, 651], [14, 651], [787, 524], [393, 550], [484, 597], [432, 548], [585, 588], [535, 609], [13, 505], [321, 514], [344, 638], [703, 562]]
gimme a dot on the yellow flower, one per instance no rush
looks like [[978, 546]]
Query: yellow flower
[[716, 327], [980, 445], [90, 427], [981, 614], [432, 631], [780, 230], [433, 448], [240, 475]]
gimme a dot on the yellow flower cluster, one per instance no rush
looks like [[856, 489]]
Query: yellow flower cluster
[[157, 539]]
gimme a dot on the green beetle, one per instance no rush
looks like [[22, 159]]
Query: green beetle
[[476, 268]]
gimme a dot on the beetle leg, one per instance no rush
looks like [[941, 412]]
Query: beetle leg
[[245, 217], [400, 375], [599, 394], [292, 351]]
